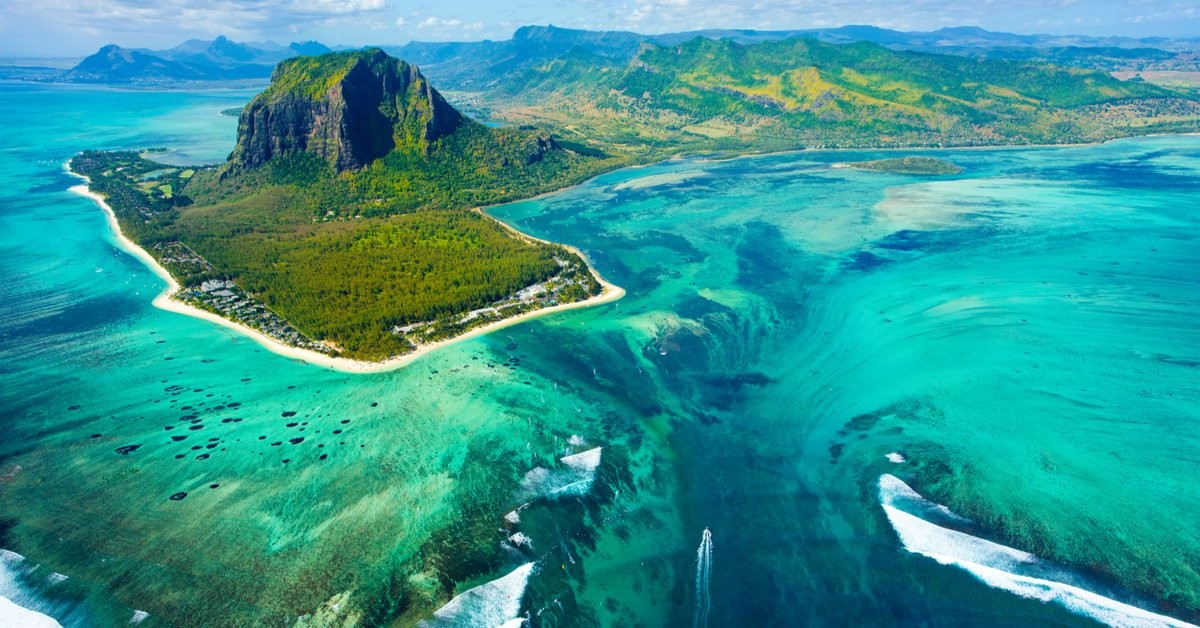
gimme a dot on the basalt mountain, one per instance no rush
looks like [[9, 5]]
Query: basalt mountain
[[364, 133], [348, 109]]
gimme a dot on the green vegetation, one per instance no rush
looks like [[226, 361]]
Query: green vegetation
[[365, 262], [718, 95], [908, 165], [474, 166], [312, 76], [345, 281], [345, 207]]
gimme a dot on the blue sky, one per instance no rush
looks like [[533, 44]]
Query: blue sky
[[79, 27]]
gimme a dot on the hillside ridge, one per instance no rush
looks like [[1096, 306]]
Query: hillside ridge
[[348, 108]]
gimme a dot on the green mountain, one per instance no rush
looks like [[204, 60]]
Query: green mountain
[[347, 108], [804, 92], [480, 66], [342, 221]]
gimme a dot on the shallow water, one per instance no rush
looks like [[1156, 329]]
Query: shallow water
[[1023, 335]]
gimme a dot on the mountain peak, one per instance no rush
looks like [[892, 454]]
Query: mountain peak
[[349, 108]]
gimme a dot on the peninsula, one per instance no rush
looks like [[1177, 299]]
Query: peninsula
[[341, 230], [343, 226]]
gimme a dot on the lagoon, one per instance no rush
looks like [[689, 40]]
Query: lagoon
[[1021, 335]]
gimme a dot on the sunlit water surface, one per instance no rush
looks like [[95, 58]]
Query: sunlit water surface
[[1018, 343]]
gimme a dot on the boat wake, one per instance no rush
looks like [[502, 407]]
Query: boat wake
[[703, 575], [999, 566]]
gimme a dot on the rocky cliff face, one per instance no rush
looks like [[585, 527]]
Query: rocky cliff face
[[348, 108]]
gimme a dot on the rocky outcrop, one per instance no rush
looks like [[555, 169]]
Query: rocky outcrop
[[348, 108]]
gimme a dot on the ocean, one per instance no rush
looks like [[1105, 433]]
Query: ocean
[[829, 397]]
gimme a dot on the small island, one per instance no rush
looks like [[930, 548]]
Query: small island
[[905, 165]]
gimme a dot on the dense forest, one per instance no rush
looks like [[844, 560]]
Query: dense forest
[[349, 282]]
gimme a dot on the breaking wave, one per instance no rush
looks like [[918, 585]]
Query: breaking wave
[[1000, 566], [496, 603], [575, 477], [18, 605]]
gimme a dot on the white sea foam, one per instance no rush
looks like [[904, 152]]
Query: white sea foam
[[496, 603], [575, 477], [895, 458], [15, 600], [513, 518], [139, 617], [520, 540], [1004, 567], [14, 616], [586, 461], [896, 493], [55, 578]]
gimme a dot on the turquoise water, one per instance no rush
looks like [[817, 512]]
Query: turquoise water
[[1023, 336]]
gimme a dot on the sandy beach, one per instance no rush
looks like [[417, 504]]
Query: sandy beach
[[166, 301]]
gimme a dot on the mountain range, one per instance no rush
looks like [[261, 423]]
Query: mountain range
[[194, 60], [479, 65]]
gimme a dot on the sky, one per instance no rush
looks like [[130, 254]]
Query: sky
[[73, 28]]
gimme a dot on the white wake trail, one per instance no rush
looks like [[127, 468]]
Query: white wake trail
[[703, 575]]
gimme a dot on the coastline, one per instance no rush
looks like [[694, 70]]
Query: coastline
[[165, 301], [700, 158], [609, 293]]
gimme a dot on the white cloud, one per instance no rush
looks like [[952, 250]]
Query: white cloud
[[71, 26], [183, 17], [436, 22], [334, 7]]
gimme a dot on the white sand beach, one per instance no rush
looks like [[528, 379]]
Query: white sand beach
[[166, 301]]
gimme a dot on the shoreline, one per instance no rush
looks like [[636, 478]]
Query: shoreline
[[610, 292], [700, 158], [165, 301]]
